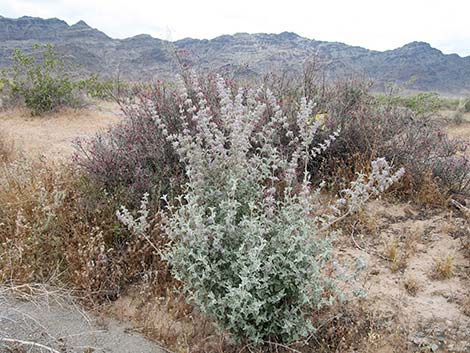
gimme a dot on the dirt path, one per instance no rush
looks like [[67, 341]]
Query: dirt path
[[52, 136], [50, 323]]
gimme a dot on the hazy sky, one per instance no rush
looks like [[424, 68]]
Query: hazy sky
[[374, 24]]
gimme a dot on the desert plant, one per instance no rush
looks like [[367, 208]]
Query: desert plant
[[134, 156], [458, 114], [247, 246], [30, 239], [105, 89], [412, 286], [41, 79], [422, 104], [403, 130], [444, 267], [453, 173]]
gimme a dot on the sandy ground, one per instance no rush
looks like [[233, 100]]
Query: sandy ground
[[52, 136], [50, 323], [460, 131], [407, 292]]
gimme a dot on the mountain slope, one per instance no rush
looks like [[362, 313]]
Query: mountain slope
[[242, 55]]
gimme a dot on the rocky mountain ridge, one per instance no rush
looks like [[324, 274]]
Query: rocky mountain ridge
[[244, 55]]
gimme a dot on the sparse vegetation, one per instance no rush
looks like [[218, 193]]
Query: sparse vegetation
[[246, 237], [422, 104], [43, 81], [104, 89]]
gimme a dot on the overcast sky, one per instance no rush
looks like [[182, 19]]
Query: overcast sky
[[374, 24]]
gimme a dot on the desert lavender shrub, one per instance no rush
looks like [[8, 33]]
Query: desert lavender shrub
[[247, 246]]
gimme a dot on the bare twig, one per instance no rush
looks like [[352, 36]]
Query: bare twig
[[283, 346], [28, 343], [459, 206], [362, 249]]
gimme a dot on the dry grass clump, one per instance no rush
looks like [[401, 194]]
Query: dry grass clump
[[412, 286], [395, 255], [444, 267], [429, 194], [53, 224], [6, 149], [398, 251], [32, 198]]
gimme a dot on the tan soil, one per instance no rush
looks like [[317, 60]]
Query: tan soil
[[51, 136], [460, 131]]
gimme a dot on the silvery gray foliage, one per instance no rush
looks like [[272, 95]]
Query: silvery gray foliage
[[137, 225], [246, 242]]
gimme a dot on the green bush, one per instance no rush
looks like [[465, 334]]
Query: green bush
[[106, 89], [422, 104], [41, 80]]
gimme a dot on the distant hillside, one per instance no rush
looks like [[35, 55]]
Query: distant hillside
[[241, 55]]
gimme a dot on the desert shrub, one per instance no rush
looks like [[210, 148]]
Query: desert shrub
[[135, 157], [453, 173], [105, 89], [418, 144], [370, 127], [41, 79], [421, 104], [462, 107], [247, 246]]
